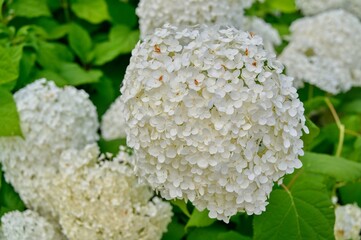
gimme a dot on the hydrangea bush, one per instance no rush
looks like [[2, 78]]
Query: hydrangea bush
[[155, 119]]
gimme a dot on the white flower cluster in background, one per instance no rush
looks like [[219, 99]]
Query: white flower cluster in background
[[155, 13], [211, 118], [311, 7], [325, 50], [28, 225], [113, 122], [101, 199], [52, 120], [348, 222]]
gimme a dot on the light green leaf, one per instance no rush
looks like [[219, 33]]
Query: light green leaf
[[339, 168], [286, 6], [182, 206], [122, 40], [306, 212], [30, 8], [80, 42], [9, 117], [94, 11], [75, 75], [199, 219], [9, 63], [111, 146]]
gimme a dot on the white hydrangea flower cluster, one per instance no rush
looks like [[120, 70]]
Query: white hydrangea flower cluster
[[269, 35], [325, 50], [211, 118], [113, 122], [311, 7], [28, 225], [101, 199], [52, 120], [348, 222], [155, 13]]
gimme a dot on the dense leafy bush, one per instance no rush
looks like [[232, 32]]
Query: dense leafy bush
[[88, 44]]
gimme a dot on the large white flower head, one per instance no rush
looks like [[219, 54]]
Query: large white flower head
[[325, 50], [211, 118], [155, 13], [269, 35], [101, 199], [348, 222], [28, 225], [113, 122], [52, 120], [311, 7]]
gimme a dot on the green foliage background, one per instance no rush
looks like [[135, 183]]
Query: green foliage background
[[87, 44]]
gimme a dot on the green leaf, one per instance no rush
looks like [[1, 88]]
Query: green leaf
[[30, 8], [182, 206], [9, 63], [351, 193], [199, 219], [26, 66], [175, 230], [94, 11], [102, 94], [51, 55], [305, 212], [314, 132], [9, 117], [111, 146], [232, 235], [80, 42], [1, 12], [122, 13], [9, 199], [336, 167], [352, 107], [286, 6], [122, 40], [208, 233], [52, 28], [70, 74]]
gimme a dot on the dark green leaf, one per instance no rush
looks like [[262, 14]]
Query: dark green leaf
[[111, 146], [306, 212], [339, 168], [122, 13], [9, 117], [314, 132], [52, 28], [30, 8], [80, 42], [9, 63], [232, 235], [94, 11], [351, 193], [207, 233], [50, 55], [175, 231], [9, 199]]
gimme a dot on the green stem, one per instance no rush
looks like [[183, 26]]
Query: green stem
[[340, 126]]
